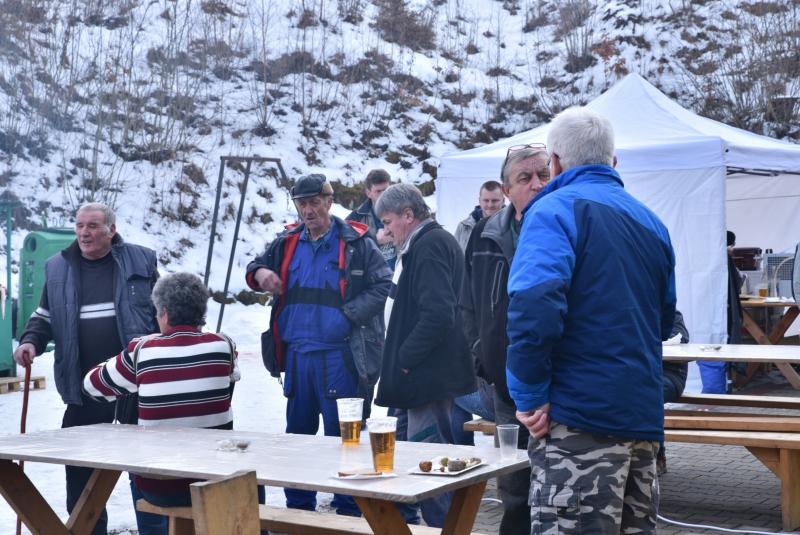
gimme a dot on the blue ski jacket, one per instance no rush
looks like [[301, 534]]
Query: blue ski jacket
[[592, 291]]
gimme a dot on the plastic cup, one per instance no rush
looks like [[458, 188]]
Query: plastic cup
[[350, 410], [382, 437], [507, 435], [763, 290]]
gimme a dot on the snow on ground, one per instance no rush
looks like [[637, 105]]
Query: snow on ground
[[258, 405]]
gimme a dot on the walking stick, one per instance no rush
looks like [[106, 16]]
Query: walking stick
[[26, 390]]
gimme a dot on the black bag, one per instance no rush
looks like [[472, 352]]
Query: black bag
[[269, 354]]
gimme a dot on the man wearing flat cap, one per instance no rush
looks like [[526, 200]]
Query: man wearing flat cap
[[330, 283]]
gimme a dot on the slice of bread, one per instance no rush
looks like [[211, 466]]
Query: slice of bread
[[360, 472]]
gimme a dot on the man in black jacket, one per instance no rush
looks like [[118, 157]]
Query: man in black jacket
[[426, 361], [484, 303]]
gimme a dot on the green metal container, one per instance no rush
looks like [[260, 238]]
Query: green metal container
[[36, 249]]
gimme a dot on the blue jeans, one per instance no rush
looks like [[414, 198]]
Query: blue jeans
[[515, 487], [465, 407], [432, 423], [316, 380]]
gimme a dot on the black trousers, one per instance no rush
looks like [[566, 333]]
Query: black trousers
[[91, 412]]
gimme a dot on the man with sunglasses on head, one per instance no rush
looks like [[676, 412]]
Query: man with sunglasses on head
[[484, 303], [592, 289]]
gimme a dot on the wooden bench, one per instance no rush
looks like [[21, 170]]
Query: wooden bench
[[774, 440], [780, 452], [725, 400], [15, 384], [195, 520]]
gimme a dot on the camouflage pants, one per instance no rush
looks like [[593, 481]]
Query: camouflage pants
[[583, 483]]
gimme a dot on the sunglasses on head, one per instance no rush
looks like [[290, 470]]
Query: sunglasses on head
[[516, 148]]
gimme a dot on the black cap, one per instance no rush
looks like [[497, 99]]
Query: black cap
[[308, 186]]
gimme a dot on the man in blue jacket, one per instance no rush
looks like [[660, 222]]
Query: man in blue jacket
[[592, 291], [331, 282]]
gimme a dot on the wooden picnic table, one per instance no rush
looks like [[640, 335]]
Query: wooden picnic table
[[280, 460], [777, 332], [781, 356]]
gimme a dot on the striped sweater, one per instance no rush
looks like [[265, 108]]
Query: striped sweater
[[183, 378]]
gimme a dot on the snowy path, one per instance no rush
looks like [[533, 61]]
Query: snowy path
[[258, 405]]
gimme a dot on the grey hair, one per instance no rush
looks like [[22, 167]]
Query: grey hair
[[184, 296], [399, 197], [580, 136], [516, 157], [108, 214]]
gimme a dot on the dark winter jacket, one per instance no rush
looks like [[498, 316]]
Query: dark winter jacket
[[365, 214], [484, 296], [135, 274], [592, 292], [425, 335], [676, 372], [367, 280]]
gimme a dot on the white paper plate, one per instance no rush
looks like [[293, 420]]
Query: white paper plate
[[418, 472], [335, 475]]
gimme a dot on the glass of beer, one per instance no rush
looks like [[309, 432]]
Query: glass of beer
[[350, 413], [382, 436]]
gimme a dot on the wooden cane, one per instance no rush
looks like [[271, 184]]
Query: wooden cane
[[25, 391]]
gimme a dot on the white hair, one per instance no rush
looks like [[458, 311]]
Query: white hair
[[109, 218], [580, 136]]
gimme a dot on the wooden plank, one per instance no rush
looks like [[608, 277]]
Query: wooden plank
[[720, 414], [766, 402], [383, 516], [463, 509], [481, 425], [790, 489], [92, 501], [769, 456], [15, 384], [783, 325], [735, 438], [180, 526], [228, 505], [754, 329], [746, 423], [294, 521], [788, 372], [27, 502]]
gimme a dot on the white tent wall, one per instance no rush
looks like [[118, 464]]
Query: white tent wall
[[690, 202], [764, 211]]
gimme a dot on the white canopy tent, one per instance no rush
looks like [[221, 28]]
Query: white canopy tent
[[676, 163]]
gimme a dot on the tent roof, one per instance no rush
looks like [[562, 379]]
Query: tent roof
[[652, 133]]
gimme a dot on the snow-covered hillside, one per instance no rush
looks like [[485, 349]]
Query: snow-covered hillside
[[133, 102]]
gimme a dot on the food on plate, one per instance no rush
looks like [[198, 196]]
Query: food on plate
[[360, 472], [456, 465], [448, 465]]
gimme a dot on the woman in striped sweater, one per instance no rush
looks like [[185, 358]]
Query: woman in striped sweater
[[184, 377]]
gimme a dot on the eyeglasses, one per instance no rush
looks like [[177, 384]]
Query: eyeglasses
[[516, 148]]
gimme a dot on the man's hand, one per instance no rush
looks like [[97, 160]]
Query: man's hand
[[537, 421], [24, 354], [268, 281], [382, 238]]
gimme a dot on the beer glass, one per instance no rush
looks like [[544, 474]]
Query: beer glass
[[350, 411], [382, 436]]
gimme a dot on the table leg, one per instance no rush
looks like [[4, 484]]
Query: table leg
[[464, 509], [790, 488], [773, 338], [92, 501], [382, 516], [27, 502], [783, 325]]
